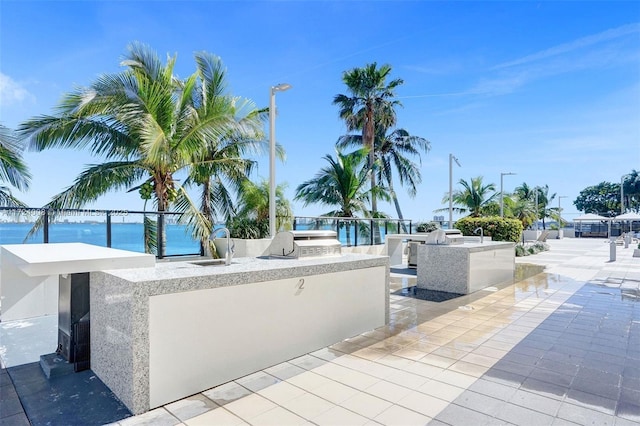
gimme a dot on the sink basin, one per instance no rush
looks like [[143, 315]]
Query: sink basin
[[209, 262]]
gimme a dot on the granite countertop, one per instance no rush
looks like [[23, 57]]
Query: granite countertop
[[242, 270], [474, 246]]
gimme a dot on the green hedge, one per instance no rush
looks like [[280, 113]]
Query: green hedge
[[499, 229]]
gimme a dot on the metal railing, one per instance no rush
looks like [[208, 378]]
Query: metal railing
[[355, 231], [124, 229], [98, 227]]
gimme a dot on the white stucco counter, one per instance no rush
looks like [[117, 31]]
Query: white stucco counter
[[29, 273], [163, 333]]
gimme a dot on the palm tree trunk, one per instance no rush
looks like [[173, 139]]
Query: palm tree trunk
[[208, 214], [163, 205], [397, 204], [369, 138]]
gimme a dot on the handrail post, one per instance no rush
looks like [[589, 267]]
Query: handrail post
[[355, 233], [160, 235], [371, 233], [108, 228], [45, 229]]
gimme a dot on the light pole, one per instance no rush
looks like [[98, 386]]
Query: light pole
[[452, 158], [272, 155], [502, 175], [537, 211]]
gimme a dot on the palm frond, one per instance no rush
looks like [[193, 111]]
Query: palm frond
[[12, 168]]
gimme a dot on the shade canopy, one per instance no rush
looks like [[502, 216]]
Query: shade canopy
[[591, 217], [628, 216]]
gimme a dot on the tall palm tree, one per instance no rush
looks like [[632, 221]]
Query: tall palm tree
[[220, 168], [370, 97], [143, 121], [524, 205], [13, 170], [393, 150], [544, 200], [473, 198], [631, 191], [341, 184]]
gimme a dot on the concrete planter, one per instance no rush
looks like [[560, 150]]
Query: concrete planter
[[636, 252]]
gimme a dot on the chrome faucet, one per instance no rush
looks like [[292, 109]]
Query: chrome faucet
[[229, 252], [475, 231]]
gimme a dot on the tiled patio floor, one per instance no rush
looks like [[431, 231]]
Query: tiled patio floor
[[546, 350], [562, 347]]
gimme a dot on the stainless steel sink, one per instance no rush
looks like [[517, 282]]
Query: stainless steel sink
[[209, 262]]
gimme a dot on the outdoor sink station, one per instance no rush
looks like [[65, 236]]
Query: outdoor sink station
[[464, 266], [446, 261], [162, 333]]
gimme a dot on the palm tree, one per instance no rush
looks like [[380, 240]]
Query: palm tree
[[473, 198], [220, 168], [144, 121], [341, 185], [370, 98], [524, 206], [631, 190], [392, 153], [544, 199], [253, 203], [13, 170]]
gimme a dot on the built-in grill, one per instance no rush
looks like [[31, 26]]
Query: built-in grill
[[298, 244]]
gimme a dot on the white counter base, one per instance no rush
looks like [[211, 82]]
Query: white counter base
[[201, 339], [29, 273]]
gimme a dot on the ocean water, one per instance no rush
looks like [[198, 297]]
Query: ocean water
[[129, 236], [125, 236]]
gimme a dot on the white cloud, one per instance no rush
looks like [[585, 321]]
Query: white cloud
[[602, 50], [12, 92], [577, 44]]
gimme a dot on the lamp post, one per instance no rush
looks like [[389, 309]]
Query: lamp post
[[502, 175], [537, 210], [272, 155], [452, 158]]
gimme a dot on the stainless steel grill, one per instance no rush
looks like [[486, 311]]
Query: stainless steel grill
[[296, 244]]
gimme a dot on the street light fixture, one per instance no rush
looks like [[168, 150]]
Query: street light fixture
[[452, 158], [501, 196], [272, 155]]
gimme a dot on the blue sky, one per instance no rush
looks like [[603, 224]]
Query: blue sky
[[547, 90]]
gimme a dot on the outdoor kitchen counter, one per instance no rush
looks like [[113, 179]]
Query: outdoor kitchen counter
[[161, 334], [164, 276]]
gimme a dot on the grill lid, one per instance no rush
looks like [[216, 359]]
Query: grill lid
[[311, 243]]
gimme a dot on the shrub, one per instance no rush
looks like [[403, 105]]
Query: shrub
[[499, 229], [427, 227], [248, 229], [522, 250]]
